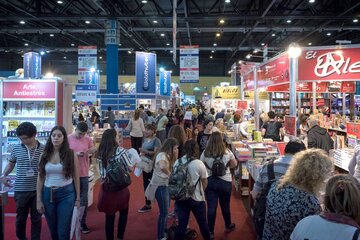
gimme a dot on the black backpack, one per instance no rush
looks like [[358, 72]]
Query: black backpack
[[271, 131], [259, 208], [218, 168], [180, 183], [117, 175]]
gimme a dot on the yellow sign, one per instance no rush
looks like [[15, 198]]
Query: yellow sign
[[229, 92], [262, 95]]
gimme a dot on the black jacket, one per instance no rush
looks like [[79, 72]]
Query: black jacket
[[318, 137]]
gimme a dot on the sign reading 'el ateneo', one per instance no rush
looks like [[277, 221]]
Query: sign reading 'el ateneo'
[[229, 92]]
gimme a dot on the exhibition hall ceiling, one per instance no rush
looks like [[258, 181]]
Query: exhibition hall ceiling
[[226, 29]]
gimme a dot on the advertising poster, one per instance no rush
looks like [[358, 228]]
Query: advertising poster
[[290, 125], [32, 65], [87, 61], [353, 129], [229, 92], [29, 90], [165, 83], [189, 64], [85, 94], [145, 72], [274, 72]]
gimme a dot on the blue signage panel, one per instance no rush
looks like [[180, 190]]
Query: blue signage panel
[[85, 87], [32, 65], [92, 77], [145, 72], [165, 83]]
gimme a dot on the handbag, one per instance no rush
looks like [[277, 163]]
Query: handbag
[[146, 164], [117, 175]]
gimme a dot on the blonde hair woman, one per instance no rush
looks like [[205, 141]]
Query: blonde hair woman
[[137, 129], [294, 196], [341, 217], [219, 187]]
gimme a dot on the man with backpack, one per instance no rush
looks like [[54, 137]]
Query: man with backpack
[[270, 172], [186, 186], [272, 129]]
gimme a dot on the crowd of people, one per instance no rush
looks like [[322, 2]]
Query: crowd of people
[[52, 179]]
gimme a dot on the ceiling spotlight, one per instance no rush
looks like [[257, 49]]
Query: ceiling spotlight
[[288, 21], [100, 57], [119, 44], [309, 43], [227, 1], [87, 22], [60, 2], [218, 34], [256, 51], [129, 52], [273, 35], [163, 34], [155, 21], [73, 44], [248, 56], [354, 20], [240, 62], [211, 57], [42, 53], [171, 51], [212, 51], [51, 35], [311, 1], [47, 51], [22, 22], [168, 44], [328, 34], [214, 44], [26, 44], [144, 1], [65, 57], [263, 44], [222, 21]]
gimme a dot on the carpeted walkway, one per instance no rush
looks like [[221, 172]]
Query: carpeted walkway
[[142, 226]]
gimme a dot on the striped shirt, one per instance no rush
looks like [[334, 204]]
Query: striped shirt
[[121, 155], [26, 160], [280, 167]]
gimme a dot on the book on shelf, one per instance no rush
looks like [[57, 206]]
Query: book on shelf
[[40, 108], [14, 108], [49, 109], [28, 109]]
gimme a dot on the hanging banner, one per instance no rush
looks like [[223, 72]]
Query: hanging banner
[[329, 64], [29, 90], [174, 30], [87, 61], [112, 32], [32, 65], [290, 125], [321, 87], [189, 64], [276, 71], [145, 72], [229, 92], [165, 83], [246, 71], [85, 93]]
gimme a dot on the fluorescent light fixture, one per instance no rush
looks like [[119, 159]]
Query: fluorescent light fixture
[[26, 44], [87, 22], [222, 21], [22, 22], [51, 35], [163, 34], [288, 21], [60, 2], [354, 20], [144, 1], [214, 44], [218, 34], [168, 44], [311, 1], [328, 34], [227, 1], [155, 21]]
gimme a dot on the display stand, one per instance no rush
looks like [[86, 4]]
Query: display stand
[[38, 101]]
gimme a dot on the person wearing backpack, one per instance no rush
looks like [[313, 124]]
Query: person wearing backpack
[[218, 161], [110, 202], [271, 171], [272, 129], [190, 180], [158, 187]]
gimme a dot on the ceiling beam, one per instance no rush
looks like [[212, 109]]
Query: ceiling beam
[[187, 22]]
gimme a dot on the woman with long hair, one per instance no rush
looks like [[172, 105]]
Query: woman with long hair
[[341, 217], [58, 185], [158, 187], [295, 195], [137, 129], [179, 134], [219, 187], [112, 202]]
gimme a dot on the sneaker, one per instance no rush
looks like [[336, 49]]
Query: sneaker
[[84, 229], [144, 209], [230, 228], [212, 236]]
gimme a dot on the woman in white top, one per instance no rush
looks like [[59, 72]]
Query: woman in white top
[[158, 187], [196, 202], [341, 217], [58, 186], [137, 129], [219, 187]]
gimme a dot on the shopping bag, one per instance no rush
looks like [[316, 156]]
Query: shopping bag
[[75, 233]]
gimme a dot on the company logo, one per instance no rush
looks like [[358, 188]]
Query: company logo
[[146, 74], [332, 63]]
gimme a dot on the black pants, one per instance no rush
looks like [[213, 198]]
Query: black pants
[[136, 143], [109, 225], [146, 178], [26, 201]]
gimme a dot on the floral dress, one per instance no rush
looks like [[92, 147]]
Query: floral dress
[[285, 208]]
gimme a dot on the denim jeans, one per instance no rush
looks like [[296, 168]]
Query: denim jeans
[[162, 198], [58, 213], [183, 209], [26, 201], [161, 135], [218, 189], [109, 225], [84, 189]]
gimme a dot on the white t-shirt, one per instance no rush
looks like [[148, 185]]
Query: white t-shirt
[[318, 228], [196, 170], [136, 127], [55, 175], [226, 158]]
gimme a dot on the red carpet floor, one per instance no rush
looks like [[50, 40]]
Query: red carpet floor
[[142, 226]]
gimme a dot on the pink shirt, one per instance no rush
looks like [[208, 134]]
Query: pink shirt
[[81, 145]]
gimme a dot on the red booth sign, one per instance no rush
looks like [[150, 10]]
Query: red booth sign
[[353, 129], [290, 125], [242, 105], [274, 72], [321, 87], [330, 64], [29, 90]]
